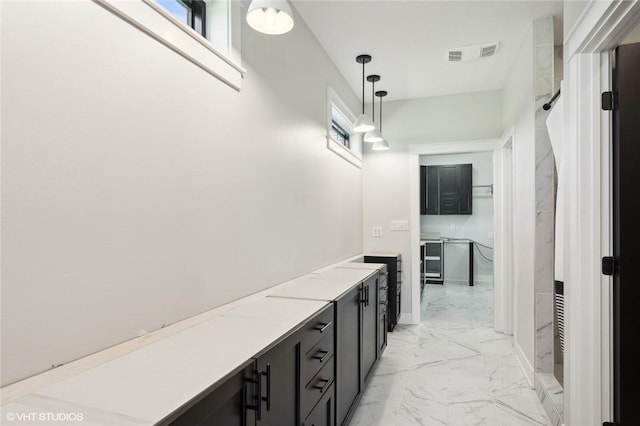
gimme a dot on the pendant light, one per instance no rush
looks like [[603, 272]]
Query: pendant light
[[382, 145], [363, 122], [270, 16], [374, 135]]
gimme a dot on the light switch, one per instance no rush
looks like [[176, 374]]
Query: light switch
[[453, 226], [377, 231], [490, 236]]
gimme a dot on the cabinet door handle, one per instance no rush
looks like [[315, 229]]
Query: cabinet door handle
[[324, 327], [363, 299], [324, 387], [258, 405], [268, 397], [384, 288], [243, 413], [322, 357], [367, 295]]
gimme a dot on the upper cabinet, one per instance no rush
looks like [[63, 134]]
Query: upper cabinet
[[446, 189]]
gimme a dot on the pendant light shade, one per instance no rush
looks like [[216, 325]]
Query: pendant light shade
[[363, 122], [381, 145], [373, 136], [270, 16]]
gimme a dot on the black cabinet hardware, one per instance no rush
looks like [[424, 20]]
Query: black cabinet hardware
[[324, 327], [267, 398], [322, 355], [324, 386]]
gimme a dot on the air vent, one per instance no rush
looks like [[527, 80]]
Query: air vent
[[472, 53], [488, 50], [455, 55]]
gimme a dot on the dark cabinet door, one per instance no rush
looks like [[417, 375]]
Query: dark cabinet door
[[280, 384], [626, 232], [449, 185], [432, 206], [423, 190], [369, 327], [226, 405], [465, 184], [382, 329], [347, 350], [323, 413]]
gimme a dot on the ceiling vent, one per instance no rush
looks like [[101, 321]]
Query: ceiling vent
[[472, 53], [455, 55], [488, 50]]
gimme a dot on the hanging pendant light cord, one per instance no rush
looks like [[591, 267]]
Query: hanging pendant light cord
[[363, 86], [380, 114], [373, 100]]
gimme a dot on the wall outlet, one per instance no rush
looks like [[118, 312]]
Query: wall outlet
[[490, 236], [376, 231], [453, 226]]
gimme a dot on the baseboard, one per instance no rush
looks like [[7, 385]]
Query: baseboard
[[407, 318], [525, 365], [476, 279]]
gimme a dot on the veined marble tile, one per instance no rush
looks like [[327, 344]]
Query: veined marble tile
[[452, 369], [544, 332], [544, 250]]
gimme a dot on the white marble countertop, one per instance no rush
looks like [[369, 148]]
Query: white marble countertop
[[382, 254], [142, 381], [357, 265], [146, 385], [344, 274]]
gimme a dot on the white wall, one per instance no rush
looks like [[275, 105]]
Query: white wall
[[571, 11], [518, 107], [386, 181], [477, 226], [138, 190]]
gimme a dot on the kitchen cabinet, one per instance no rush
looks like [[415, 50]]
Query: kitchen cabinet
[[394, 284], [446, 189], [224, 404], [279, 384], [382, 311], [357, 319]]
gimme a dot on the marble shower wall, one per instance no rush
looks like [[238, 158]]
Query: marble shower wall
[[545, 184]]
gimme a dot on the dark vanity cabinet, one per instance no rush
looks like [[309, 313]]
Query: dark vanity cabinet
[[224, 404], [279, 384], [394, 285], [446, 189], [357, 316], [383, 288], [291, 383]]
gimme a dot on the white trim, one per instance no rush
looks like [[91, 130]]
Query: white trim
[[150, 18], [414, 237], [476, 279], [454, 147], [347, 119], [588, 391], [524, 364], [407, 318], [343, 152]]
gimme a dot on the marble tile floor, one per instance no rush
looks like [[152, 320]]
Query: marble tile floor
[[451, 369]]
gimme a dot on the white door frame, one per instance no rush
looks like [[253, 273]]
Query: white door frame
[[588, 378], [503, 314]]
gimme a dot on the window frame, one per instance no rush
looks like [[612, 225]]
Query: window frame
[[184, 40], [338, 111]]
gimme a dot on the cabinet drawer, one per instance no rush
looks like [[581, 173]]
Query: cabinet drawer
[[317, 357], [318, 327], [323, 413], [317, 387]]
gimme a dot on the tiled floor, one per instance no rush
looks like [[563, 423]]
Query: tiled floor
[[451, 369]]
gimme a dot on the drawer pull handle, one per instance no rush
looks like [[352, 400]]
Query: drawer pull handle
[[384, 274], [322, 355], [384, 288], [324, 387], [324, 327]]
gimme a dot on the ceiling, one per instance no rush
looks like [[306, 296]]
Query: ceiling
[[409, 40]]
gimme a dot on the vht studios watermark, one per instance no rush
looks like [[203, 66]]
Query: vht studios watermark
[[44, 417]]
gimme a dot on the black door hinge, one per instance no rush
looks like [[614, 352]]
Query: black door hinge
[[608, 101], [610, 265]]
